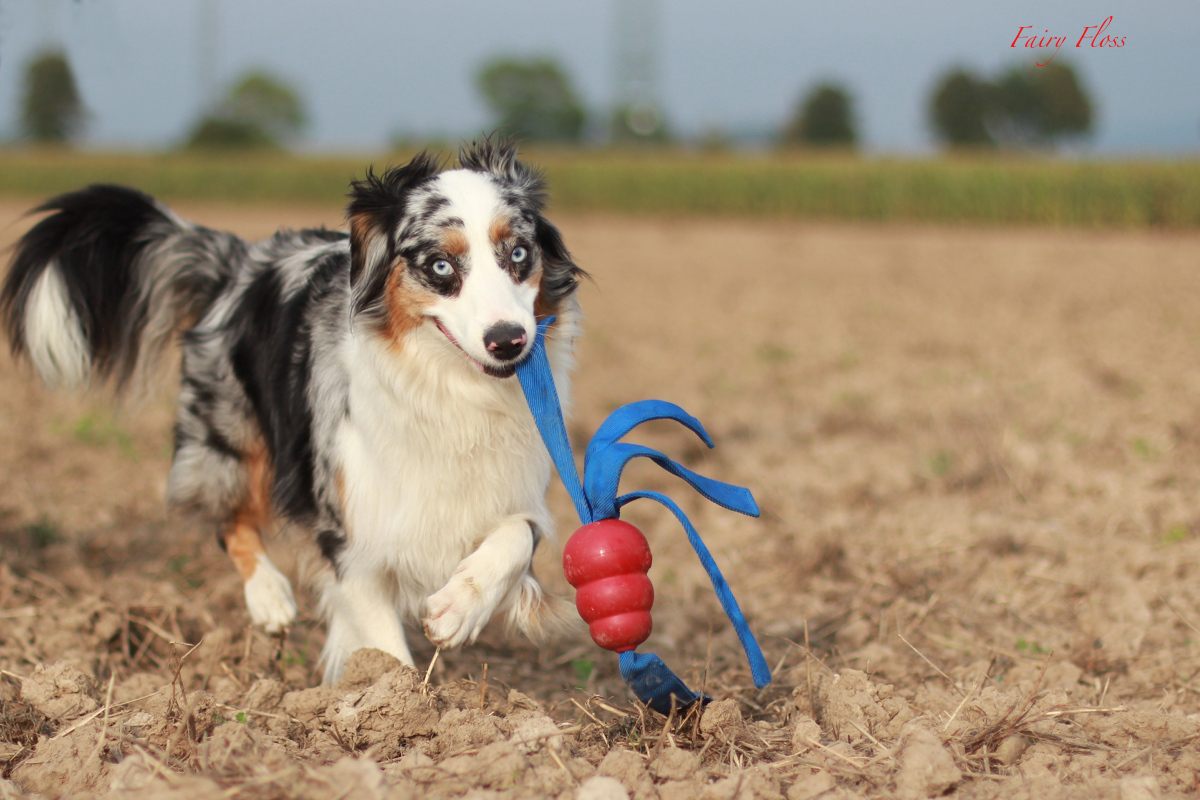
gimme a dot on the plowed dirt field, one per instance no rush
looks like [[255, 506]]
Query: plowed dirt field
[[977, 572]]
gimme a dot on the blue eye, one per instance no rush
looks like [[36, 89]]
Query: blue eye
[[442, 268], [519, 254]]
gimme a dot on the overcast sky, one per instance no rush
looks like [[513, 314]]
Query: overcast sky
[[370, 70]]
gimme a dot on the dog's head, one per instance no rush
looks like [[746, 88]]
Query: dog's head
[[466, 250]]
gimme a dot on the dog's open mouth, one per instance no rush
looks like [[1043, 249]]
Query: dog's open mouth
[[506, 371]]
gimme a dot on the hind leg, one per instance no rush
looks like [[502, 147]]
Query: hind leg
[[221, 469], [269, 597], [268, 592]]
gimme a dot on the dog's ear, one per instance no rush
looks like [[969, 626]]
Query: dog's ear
[[377, 203], [560, 274], [498, 157]]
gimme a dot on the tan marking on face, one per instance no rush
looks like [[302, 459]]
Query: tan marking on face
[[500, 231], [454, 242], [243, 537], [542, 307], [405, 305]]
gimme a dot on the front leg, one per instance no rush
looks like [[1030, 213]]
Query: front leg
[[361, 611], [483, 581]]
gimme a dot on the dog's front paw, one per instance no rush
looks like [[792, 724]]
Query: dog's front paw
[[269, 597], [456, 614]]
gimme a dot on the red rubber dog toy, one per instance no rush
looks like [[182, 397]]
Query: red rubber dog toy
[[606, 561]]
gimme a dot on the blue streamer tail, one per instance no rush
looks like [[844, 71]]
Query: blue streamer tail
[[595, 497]]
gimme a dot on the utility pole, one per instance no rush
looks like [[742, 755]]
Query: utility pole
[[637, 69], [47, 22], [208, 44]]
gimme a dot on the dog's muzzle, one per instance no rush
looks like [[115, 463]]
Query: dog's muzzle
[[505, 341]]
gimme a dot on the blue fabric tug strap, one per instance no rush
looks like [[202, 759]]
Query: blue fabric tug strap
[[595, 498]]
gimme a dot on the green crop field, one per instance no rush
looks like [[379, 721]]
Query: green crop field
[[996, 190]]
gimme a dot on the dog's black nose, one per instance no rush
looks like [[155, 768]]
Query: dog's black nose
[[505, 340]]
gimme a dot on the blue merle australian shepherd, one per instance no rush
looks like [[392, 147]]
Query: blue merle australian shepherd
[[354, 386]]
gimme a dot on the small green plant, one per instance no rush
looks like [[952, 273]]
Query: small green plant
[[775, 354], [190, 575], [853, 400], [241, 717], [44, 533], [1033, 648], [1175, 534], [290, 657], [584, 667], [177, 563], [102, 432], [1143, 449], [941, 463]]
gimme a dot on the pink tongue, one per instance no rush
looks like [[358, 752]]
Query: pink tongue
[[446, 333], [454, 342]]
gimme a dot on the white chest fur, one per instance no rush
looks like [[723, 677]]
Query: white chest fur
[[434, 455]]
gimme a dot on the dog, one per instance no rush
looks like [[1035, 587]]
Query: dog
[[357, 386]]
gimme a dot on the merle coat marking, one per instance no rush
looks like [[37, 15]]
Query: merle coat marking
[[357, 386]]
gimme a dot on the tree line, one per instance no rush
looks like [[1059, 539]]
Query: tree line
[[258, 110], [534, 100]]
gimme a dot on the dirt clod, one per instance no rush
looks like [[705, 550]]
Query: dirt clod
[[599, 787], [460, 730], [747, 784], [62, 763], [854, 708], [926, 767], [364, 667], [1143, 788], [674, 763], [805, 732], [630, 769], [531, 731], [978, 479], [1011, 749], [811, 787], [265, 695], [722, 718], [60, 691], [391, 710], [359, 778]]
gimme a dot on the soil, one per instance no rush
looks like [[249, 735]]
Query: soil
[[977, 572]]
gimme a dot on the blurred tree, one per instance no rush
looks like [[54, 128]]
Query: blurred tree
[[532, 99], [261, 111], [1068, 107], [1040, 105], [269, 103], [1027, 106], [824, 119], [51, 110], [959, 110], [220, 133]]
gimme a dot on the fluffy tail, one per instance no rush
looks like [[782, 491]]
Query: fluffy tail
[[99, 287]]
